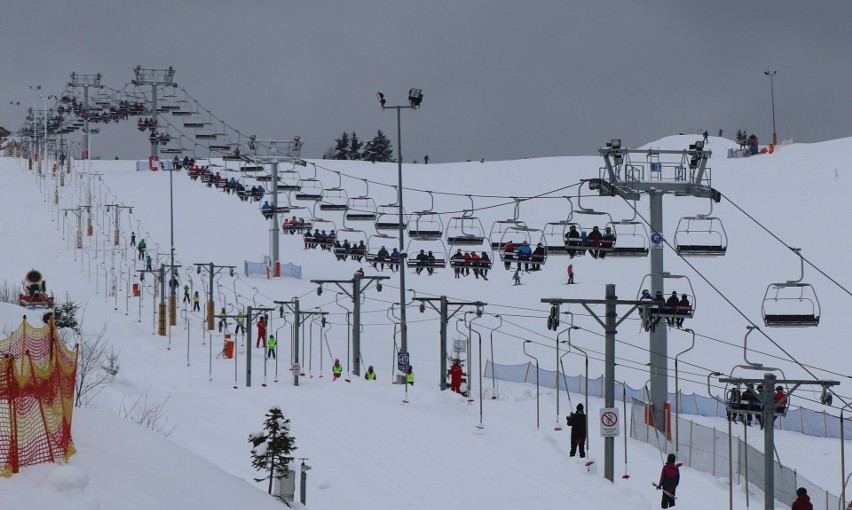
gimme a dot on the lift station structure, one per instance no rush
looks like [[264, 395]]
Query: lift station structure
[[630, 173]]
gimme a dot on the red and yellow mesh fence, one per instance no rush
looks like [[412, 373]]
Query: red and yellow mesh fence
[[37, 375]]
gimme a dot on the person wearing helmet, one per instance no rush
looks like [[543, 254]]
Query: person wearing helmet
[[669, 480], [370, 375], [337, 370], [683, 309], [457, 263], [607, 241], [780, 402], [595, 237], [671, 308], [485, 265]]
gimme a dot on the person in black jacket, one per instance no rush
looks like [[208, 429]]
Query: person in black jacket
[[577, 422]]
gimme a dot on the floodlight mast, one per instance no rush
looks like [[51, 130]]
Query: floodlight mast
[[692, 179], [85, 81], [415, 97], [155, 78], [278, 151]]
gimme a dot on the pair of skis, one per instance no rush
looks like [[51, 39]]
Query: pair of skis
[[667, 493]]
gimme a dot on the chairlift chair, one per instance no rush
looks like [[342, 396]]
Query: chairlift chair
[[426, 223], [792, 303], [496, 237], [354, 236], [465, 230], [603, 246], [361, 208], [738, 403], [520, 235], [334, 199], [388, 216], [631, 239], [375, 243], [311, 188], [664, 311], [330, 229], [700, 236], [433, 245], [289, 180], [554, 235]]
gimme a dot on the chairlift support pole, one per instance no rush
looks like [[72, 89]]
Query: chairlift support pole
[[414, 99], [293, 306], [85, 81], [292, 149], [212, 269], [443, 311], [155, 78], [610, 323], [355, 296], [769, 406], [614, 181]]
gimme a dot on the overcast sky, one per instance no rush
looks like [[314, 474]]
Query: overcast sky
[[500, 79]]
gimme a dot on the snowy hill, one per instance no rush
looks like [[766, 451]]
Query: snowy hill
[[367, 449]]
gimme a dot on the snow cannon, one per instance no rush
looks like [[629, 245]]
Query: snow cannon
[[35, 291]]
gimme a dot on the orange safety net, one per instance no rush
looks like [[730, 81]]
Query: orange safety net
[[37, 376]]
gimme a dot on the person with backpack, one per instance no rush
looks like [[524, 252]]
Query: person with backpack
[[577, 422], [669, 480]]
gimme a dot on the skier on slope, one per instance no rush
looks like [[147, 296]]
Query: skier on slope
[[669, 480]]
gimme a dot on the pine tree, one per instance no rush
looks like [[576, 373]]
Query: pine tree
[[378, 149], [341, 146], [272, 447], [355, 147]]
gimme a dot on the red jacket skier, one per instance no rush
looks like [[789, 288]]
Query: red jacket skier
[[456, 373], [261, 332]]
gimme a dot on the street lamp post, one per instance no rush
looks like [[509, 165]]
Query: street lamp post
[[771, 74], [415, 97]]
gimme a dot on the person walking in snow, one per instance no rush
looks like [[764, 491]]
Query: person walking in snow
[[577, 422], [337, 370], [669, 480]]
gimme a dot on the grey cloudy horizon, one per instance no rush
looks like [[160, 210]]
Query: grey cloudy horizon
[[501, 80]]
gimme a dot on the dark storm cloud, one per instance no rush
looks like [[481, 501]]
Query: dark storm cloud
[[501, 80]]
